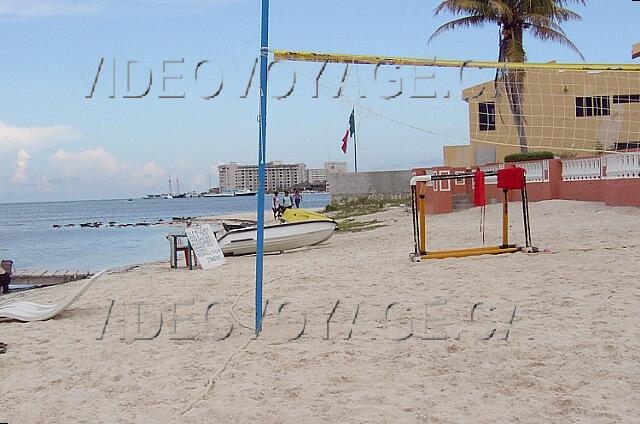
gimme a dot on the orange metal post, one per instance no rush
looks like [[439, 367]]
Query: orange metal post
[[422, 220], [505, 219]]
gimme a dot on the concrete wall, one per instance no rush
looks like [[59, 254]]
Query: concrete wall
[[382, 183], [458, 156]]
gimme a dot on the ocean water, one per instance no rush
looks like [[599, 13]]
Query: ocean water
[[28, 238]]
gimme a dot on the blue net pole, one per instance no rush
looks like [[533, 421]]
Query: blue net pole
[[262, 151]]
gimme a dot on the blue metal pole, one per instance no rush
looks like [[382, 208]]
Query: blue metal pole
[[262, 149]]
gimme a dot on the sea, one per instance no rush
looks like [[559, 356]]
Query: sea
[[28, 236]]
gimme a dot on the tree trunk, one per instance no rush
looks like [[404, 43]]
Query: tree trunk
[[511, 51], [514, 85]]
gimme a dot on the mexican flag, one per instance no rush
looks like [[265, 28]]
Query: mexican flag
[[351, 131]]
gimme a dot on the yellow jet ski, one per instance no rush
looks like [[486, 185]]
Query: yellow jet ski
[[297, 215]]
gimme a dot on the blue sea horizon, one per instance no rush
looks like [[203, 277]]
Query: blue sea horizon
[[28, 236]]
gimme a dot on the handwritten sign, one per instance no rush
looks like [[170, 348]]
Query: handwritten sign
[[205, 245]]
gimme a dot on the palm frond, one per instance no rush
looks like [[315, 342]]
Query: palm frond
[[542, 20], [461, 7], [541, 17], [562, 3], [501, 9], [548, 34], [562, 14], [467, 21]]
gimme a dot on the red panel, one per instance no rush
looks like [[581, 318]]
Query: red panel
[[511, 178], [479, 195]]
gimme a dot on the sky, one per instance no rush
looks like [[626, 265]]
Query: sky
[[62, 137]]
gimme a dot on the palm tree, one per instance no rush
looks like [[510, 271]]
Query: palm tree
[[542, 18]]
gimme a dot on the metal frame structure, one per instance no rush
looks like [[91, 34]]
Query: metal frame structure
[[381, 60], [300, 56], [418, 207], [262, 161]]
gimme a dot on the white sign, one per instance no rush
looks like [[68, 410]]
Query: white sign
[[205, 245]]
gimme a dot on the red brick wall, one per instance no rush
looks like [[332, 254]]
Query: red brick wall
[[615, 192], [587, 191], [438, 201], [622, 192]]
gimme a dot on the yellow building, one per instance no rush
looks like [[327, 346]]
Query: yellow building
[[564, 112]]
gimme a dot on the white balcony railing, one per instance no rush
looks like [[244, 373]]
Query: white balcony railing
[[581, 169], [495, 167], [623, 165], [536, 172]]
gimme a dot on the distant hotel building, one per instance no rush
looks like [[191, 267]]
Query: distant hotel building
[[335, 167], [280, 176], [319, 175], [245, 177], [316, 175]]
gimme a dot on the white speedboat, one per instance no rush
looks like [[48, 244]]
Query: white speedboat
[[224, 194], [245, 193], [238, 240]]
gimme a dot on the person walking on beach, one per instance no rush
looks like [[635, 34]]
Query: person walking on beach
[[6, 268], [5, 279], [275, 206], [297, 198], [287, 201]]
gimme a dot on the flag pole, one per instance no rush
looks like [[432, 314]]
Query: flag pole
[[352, 129], [355, 151], [262, 147]]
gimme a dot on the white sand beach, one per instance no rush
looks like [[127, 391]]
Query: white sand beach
[[572, 353]]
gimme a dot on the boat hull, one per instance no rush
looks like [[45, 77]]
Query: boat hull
[[277, 238], [245, 193], [219, 195]]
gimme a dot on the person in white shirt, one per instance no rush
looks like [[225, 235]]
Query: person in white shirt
[[275, 207], [287, 202]]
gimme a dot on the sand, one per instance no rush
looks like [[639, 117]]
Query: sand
[[571, 353]]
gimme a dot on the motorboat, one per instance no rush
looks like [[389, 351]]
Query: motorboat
[[237, 240], [246, 193], [224, 194]]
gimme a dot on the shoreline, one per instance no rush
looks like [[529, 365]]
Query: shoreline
[[205, 219], [564, 355], [31, 240]]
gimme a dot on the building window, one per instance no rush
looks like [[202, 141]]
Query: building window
[[487, 116], [593, 106], [626, 98]]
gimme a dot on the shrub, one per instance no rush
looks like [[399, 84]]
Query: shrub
[[357, 206], [522, 157]]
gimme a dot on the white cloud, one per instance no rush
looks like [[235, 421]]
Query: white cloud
[[199, 182], [14, 137], [22, 163], [44, 185], [100, 166], [86, 163], [149, 175]]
